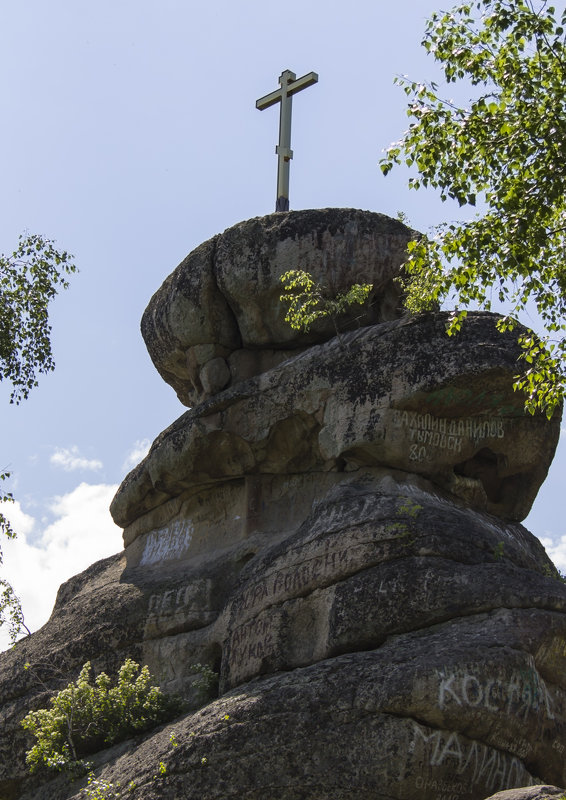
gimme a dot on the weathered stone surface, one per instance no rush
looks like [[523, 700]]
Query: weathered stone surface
[[192, 316], [214, 376], [394, 641], [530, 793], [337, 247], [377, 543], [225, 296], [443, 407], [411, 720], [334, 532], [95, 617]]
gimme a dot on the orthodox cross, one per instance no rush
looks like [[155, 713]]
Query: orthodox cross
[[289, 86]]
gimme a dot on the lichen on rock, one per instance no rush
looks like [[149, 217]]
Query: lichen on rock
[[334, 529], [223, 301]]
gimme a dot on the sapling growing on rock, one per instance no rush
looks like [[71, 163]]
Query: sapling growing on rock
[[308, 300], [89, 715]]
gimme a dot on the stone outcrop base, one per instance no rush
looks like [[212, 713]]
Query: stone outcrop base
[[395, 645], [332, 528], [458, 711]]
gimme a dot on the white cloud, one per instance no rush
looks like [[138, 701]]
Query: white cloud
[[70, 459], [556, 549], [82, 533], [22, 523], [137, 453]]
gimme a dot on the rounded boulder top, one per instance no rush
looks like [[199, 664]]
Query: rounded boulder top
[[219, 318]]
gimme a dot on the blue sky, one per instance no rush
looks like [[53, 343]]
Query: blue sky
[[129, 136]]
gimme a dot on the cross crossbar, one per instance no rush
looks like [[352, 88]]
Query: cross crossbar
[[289, 85]]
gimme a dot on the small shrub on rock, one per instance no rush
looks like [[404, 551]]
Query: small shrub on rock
[[87, 716], [207, 682], [308, 300]]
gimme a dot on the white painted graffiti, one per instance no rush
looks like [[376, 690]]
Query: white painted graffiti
[[426, 430], [168, 543], [523, 692], [474, 760], [172, 599]]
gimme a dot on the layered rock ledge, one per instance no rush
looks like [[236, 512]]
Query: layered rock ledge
[[335, 530], [402, 395], [395, 643], [218, 318]]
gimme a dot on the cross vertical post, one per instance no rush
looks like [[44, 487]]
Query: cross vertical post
[[289, 85]]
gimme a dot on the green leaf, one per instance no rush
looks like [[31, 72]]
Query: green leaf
[[87, 716], [505, 153], [29, 280], [308, 301]]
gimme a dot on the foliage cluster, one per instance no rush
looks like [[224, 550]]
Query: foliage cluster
[[100, 789], [407, 512], [309, 301], [10, 607], [207, 682], [88, 715], [29, 280], [505, 150]]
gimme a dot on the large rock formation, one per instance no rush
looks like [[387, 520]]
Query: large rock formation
[[335, 529], [218, 318]]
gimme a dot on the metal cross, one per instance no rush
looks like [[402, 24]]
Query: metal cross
[[289, 86]]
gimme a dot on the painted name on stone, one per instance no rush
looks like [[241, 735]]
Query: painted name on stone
[[522, 693], [171, 600], [168, 543], [251, 641], [560, 648], [296, 578], [446, 434], [449, 789], [520, 747], [474, 760]]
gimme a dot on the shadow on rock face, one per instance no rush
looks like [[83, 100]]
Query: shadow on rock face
[[401, 396], [334, 530], [218, 318]]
